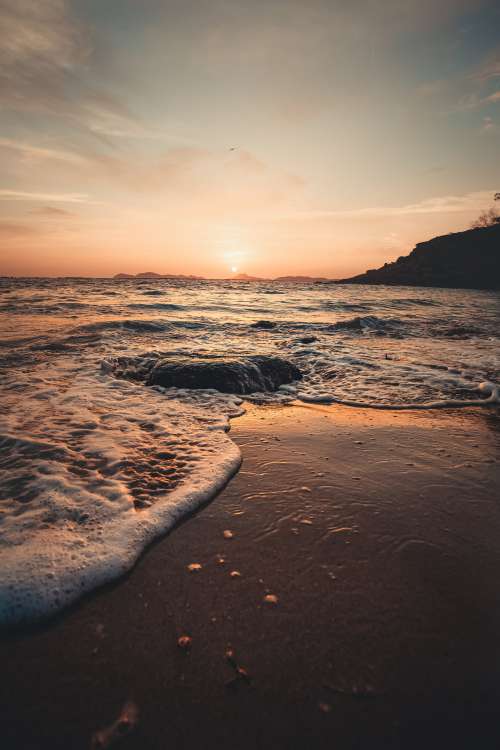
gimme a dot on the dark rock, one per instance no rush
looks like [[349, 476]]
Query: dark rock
[[364, 323], [307, 339], [458, 332], [265, 324], [464, 260], [245, 375]]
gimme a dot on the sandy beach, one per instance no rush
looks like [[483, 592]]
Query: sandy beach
[[354, 603]]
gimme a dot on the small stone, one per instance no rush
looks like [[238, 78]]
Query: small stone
[[270, 599], [184, 642], [228, 534], [194, 567], [235, 574]]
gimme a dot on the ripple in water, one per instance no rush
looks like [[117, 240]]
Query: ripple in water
[[95, 466]]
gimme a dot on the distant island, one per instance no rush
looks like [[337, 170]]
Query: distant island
[[237, 277], [153, 275], [464, 260]]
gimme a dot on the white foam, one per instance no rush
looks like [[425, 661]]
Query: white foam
[[70, 524], [490, 390]]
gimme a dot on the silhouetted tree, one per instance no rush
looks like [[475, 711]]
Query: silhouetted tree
[[487, 218]]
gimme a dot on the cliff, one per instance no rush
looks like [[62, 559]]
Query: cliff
[[465, 260]]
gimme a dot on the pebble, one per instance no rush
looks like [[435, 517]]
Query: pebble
[[185, 642], [271, 599]]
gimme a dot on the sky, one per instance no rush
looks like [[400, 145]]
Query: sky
[[269, 136]]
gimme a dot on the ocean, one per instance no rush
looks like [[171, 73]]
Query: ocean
[[96, 463]]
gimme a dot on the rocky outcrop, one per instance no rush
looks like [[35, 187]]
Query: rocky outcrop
[[465, 260], [245, 375]]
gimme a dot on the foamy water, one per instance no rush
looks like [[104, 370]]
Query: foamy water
[[95, 466]]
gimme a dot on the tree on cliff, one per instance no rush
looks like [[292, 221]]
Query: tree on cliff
[[489, 217]]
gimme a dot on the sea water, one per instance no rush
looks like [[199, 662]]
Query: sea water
[[95, 466]]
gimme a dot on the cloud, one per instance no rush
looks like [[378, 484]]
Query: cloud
[[492, 98], [489, 126], [489, 70], [52, 212], [41, 46], [44, 58], [12, 231], [30, 152], [19, 195], [442, 205], [473, 101]]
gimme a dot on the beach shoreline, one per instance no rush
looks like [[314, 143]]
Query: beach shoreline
[[354, 601]]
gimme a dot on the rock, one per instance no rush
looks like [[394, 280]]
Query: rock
[[307, 339], [265, 324], [245, 375], [270, 599], [184, 642], [458, 332], [469, 260]]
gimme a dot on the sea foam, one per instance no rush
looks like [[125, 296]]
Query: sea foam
[[94, 472]]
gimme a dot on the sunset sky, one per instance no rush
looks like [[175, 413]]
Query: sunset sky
[[275, 136]]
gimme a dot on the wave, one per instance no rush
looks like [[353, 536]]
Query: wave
[[134, 326], [346, 306], [97, 463], [490, 391], [123, 465], [367, 324], [154, 306]]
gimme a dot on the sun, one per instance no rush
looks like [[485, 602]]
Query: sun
[[234, 269]]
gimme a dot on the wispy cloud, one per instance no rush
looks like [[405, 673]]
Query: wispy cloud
[[489, 70], [19, 195], [492, 98], [473, 101], [28, 151], [43, 57], [442, 205], [12, 231], [489, 126], [52, 212]]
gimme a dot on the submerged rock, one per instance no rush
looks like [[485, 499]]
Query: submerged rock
[[265, 324], [307, 339], [458, 332], [245, 375]]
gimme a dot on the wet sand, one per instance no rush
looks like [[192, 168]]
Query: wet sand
[[379, 535]]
